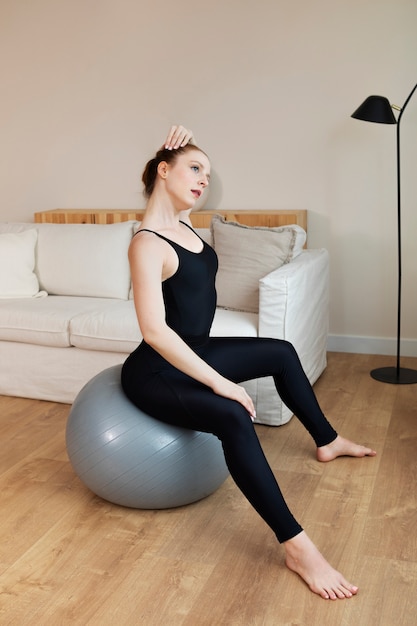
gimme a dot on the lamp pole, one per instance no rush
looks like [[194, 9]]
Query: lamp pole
[[398, 375]]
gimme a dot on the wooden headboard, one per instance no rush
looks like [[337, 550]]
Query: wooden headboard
[[200, 219]]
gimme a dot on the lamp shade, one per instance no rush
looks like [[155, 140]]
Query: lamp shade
[[375, 109]]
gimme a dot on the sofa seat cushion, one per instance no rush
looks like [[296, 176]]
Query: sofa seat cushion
[[46, 321], [111, 328], [99, 324], [115, 328], [229, 323]]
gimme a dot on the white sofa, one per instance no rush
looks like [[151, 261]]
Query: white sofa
[[66, 311]]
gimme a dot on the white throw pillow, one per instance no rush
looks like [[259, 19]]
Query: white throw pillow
[[247, 254], [17, 264]]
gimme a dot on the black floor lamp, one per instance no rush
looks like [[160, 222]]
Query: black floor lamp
[[378, 109]]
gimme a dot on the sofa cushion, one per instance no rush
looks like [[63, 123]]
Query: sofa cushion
[[247, 254], [17, 264], [81, 259], [85, 259], [46, 321], [113, 328], [229, 323]]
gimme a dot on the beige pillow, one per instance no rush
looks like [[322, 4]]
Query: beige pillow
[[247, 254], [17, 264]]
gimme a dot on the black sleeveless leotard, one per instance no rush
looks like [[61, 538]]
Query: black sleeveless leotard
[[166, 393]]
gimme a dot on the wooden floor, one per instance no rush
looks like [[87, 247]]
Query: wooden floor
[[67, 557]]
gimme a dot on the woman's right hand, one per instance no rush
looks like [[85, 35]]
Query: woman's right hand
[[178, 137], [231, 390]]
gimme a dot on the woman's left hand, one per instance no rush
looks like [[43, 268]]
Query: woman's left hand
[[178, 137]]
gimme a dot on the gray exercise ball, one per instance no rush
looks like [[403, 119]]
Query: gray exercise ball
[[132, 459]]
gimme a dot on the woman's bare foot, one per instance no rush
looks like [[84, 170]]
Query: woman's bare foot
[[342, 447], [303, 558]]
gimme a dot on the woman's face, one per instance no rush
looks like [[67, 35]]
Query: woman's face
[[187, 178]]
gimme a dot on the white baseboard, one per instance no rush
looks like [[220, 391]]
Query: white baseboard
[[371, 345]]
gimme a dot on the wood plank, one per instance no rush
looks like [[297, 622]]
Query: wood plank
[[62, 216], [392, 519]]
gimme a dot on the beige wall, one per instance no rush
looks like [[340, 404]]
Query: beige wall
[[89, 87]]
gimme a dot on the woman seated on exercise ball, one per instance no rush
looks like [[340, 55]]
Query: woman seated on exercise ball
[[181, 376]]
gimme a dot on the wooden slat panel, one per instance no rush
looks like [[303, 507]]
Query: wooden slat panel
[[200, 219]]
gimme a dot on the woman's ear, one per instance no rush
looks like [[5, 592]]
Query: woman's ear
[[162, 169]]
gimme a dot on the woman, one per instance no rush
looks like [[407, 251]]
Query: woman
[[181, 376]]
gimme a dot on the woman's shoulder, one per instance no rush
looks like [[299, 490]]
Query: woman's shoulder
[[145, 241]]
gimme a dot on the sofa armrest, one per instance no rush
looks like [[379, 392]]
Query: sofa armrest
[[294, 305]]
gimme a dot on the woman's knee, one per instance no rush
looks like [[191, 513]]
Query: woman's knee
[[235, 422], [284, 346], [286, 352]]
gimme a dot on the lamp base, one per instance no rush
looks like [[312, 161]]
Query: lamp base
[[394, 375]]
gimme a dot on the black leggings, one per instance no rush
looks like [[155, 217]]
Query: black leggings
[[173, 397]]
